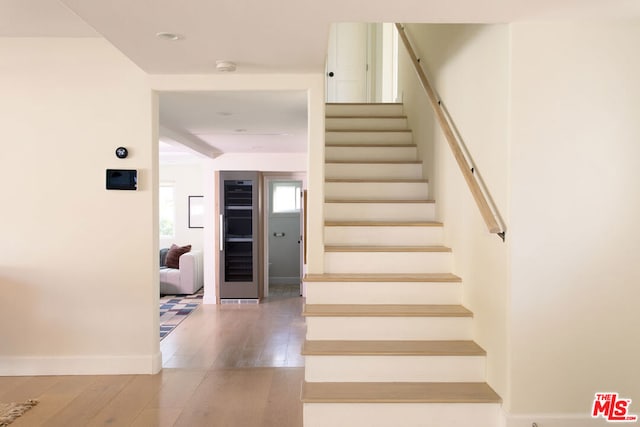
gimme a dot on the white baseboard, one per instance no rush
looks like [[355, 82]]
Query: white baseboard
[[209, 299], [87, 365], [554, 420], [284, 280]]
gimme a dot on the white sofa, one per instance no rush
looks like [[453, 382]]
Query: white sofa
[[188, 279]]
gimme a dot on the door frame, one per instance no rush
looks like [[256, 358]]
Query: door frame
[[268, 177]]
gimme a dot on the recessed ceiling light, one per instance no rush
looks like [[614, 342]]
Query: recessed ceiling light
[[240, 130], [169, 36]]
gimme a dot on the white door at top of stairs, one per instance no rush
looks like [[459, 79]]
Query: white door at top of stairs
[[347, 63]]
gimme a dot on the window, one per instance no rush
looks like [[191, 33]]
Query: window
[[286, 197], [167, 210]]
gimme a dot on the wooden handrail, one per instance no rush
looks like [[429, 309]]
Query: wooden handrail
[[466, 169]]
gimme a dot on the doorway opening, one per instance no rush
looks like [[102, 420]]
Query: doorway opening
[[362, 63], [284, 233]]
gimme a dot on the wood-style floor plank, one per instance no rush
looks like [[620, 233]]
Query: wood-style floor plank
[[127, 405], [178, 385], [27, 387], [96, 394], [245, 397], [58, 396], [158, 417], [232, 365]]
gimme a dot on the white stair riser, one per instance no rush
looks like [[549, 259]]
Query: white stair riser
[[387, 262], [385, 368], [371, 153], [382, 235], [356, 368], [404, 414], [376, 191], [365, 123], [383, 293], [364, 110], [380, 212], [373, 137], [373, 170], [389, 328]]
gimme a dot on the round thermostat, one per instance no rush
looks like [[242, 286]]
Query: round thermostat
[[122, 152]]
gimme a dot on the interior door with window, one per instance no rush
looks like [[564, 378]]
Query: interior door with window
[[285, 238]]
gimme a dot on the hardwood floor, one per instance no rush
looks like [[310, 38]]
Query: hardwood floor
[[225, 365]]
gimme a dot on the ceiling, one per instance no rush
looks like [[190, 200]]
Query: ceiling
[[212, 123], [260, 36]]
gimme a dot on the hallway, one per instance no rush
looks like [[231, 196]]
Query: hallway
[[269, 334], [225, 365]]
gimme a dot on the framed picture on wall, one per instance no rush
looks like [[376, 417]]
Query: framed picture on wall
[[196, 211]]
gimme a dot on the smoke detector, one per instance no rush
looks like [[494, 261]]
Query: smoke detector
[[225, 66], [172, 37]]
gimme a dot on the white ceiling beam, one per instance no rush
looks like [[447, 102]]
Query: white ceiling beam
[[190, 141]]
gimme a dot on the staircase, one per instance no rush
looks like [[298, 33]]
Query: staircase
[[388, 341]]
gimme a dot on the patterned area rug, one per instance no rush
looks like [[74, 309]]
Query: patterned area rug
[[174, 309], [10, 411]]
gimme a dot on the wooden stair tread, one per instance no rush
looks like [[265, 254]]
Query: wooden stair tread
[[384, 392], [392, 348], [389, 277], [377, 181], [386, 249], [385, 310], [330, 145], [379, 201], [373, 162], [414, 392], [382, 224], [364, 103], [366, 116], [369, 130]]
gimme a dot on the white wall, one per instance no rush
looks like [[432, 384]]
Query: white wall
[[188, 181], [559, 322], [78, 272], [79, 267], [575, 240], [468, 65]]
